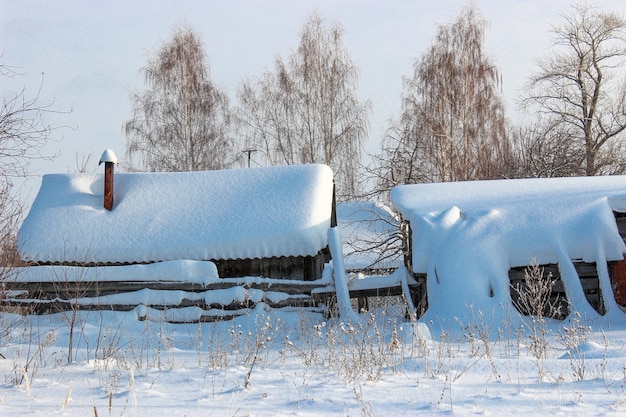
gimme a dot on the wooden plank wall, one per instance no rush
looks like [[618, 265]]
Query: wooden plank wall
[[586, 271], [589, 280], [52, 297], [306, 268]]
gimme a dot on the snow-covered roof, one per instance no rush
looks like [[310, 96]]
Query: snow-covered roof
[[229, 214], [467, 235], [525, 218]]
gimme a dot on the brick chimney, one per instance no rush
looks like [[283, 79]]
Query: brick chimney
[[110, 160]]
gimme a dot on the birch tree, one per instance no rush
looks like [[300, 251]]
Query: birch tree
[[452, 126], [306, 110], [180, 122]]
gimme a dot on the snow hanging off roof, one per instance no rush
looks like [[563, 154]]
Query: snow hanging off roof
[[229, 214], [467, 235]]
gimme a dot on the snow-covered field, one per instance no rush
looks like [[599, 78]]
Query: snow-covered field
[[470, 353], [272, 362]]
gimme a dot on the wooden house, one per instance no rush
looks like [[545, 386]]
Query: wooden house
[[261, 228], [471, 243]]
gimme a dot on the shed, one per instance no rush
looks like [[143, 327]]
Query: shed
[[186, 246], [259, 221], [469, 240]]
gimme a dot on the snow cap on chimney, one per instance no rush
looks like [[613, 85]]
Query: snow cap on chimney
[[108, 156]]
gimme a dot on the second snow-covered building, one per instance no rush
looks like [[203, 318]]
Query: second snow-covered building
[[470, 241]]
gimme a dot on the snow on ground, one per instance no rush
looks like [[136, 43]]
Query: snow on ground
[[273, 363], [471, 354]]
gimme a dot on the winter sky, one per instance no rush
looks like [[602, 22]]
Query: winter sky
[[90, 52]]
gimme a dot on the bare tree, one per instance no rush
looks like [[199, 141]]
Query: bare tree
[[10, 217], [576, 85], [452, 126], [23, 130], [544, 150], [307, 110], [23, 135], [181, 121]]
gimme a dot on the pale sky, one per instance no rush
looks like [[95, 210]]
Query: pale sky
[[90, 52]]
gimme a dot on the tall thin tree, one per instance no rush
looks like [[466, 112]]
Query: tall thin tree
[[181, 121], [452, 126], [307, 110]]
